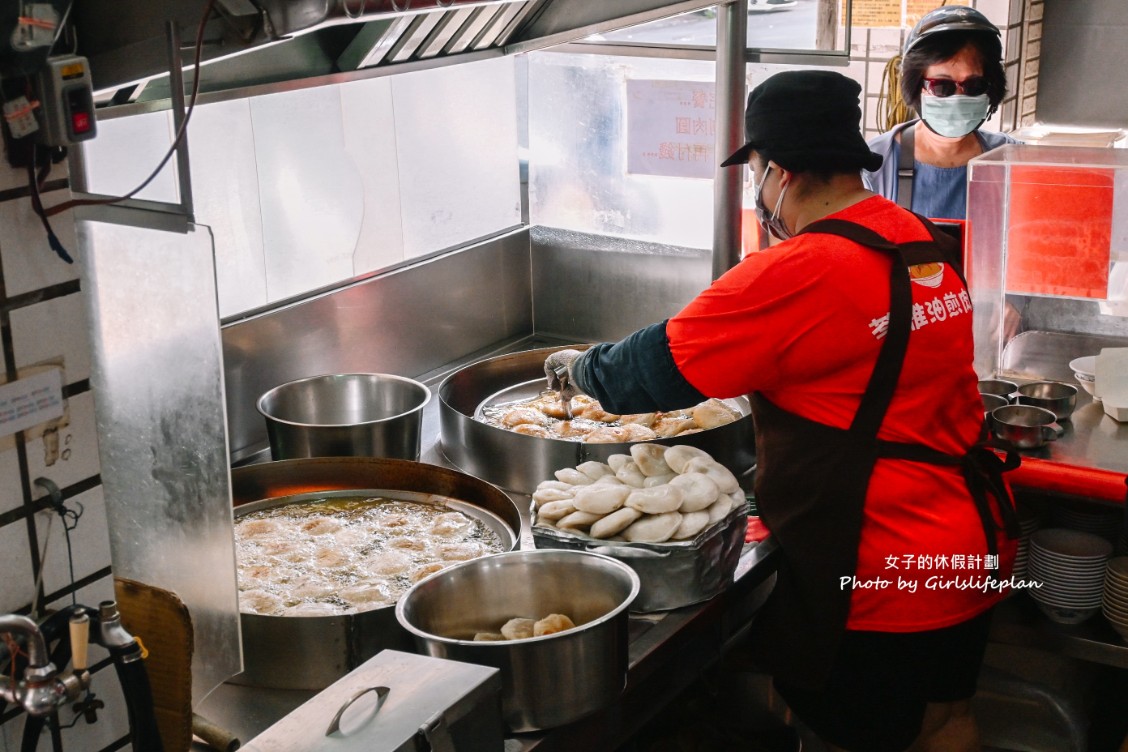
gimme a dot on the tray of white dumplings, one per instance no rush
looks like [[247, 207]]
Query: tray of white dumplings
[[674, 514]]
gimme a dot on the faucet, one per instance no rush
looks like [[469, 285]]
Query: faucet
[[42, 690]]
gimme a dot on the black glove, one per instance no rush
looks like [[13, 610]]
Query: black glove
[[557, 370]]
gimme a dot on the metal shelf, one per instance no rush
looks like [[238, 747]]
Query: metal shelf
[[1018, 621]]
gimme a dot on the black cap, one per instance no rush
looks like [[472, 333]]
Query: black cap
[[804, 120], [949, 18]]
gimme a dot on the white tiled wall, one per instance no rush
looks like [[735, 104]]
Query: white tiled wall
[[76, 458], [15, 563], [43, 323], [28, 263], [11, 491], [44, 331], [89, 542]]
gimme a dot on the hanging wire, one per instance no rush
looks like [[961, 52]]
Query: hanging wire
[[62, 25], [70, 516], [59, 208], [42, 568]]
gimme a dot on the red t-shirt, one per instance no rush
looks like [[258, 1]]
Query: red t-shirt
[[802, 323]]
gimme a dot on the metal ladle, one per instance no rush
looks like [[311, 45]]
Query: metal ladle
[[562, 377]]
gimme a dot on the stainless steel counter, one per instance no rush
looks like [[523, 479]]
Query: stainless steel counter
[[667, 650], [1092, 440]]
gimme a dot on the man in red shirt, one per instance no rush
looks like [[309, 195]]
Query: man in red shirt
[[853, 339]]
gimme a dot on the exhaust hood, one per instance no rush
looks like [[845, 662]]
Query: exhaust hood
[[259, 42]]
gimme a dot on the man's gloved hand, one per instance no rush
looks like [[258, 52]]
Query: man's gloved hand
[[556, 370]]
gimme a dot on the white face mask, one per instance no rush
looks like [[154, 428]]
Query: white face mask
[[772, 222], [954, 116]]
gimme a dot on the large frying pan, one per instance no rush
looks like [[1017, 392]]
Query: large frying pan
[[311, 652], [519, 462]]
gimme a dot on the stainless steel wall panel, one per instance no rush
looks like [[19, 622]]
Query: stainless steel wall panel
[[157, 378], [594, 288], [405, 322], [1080, 42]]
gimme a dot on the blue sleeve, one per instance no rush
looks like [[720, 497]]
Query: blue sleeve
[[635, 375], [884, 181], [993, 140]]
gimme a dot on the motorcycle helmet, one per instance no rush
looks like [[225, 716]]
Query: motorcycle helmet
[[949, 18]]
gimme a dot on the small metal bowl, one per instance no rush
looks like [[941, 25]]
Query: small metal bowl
[[1058, 398], [991, 401], [998, 387], [1025, 426]]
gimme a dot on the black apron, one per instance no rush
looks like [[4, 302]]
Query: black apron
[[906, 163], [812, 479]]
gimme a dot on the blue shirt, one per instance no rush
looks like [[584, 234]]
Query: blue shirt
[[938, 192]]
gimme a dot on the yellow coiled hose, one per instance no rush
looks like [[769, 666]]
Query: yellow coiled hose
[[891, 108]]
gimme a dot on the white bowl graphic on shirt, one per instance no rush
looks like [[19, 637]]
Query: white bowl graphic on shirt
[[928, 275]]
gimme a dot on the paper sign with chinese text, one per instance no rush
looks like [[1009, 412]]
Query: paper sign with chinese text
[[671, 128]]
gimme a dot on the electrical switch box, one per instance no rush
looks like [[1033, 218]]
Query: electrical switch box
[[66, 99]]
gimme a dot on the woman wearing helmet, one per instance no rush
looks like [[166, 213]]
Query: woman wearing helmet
[[952, 75]]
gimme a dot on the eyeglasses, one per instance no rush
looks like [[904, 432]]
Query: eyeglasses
[[972, 86]]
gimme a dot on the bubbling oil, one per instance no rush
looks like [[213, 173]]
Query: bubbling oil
[[333, 556]]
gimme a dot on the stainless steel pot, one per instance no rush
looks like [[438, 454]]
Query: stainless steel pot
[[519, 462], [311, 652], [546, 681], [345, 414]]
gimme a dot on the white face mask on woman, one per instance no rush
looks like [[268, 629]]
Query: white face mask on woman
[[954, 116]]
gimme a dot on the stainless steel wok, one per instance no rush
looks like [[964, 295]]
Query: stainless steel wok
[[311, 652], [518, 462]]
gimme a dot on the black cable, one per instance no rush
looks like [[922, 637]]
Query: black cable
[[70, 518], [175, 142], [62, 25], [69, 514], [37, 207]]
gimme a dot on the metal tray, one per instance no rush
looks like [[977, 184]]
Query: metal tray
[[674, 574], [518, 462]]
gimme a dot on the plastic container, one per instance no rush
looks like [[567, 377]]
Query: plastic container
[[1046, 221]]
